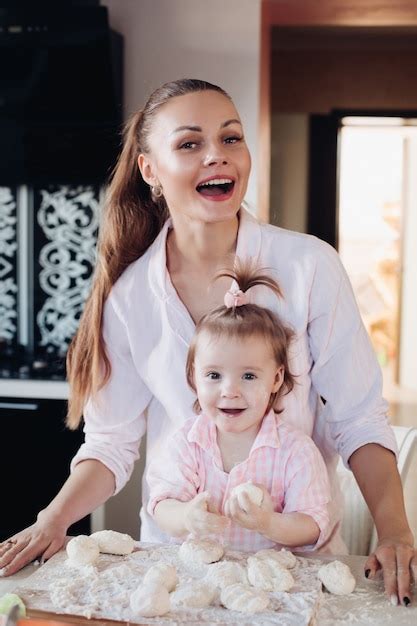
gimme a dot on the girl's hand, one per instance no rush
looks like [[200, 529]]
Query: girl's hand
[[45, 537], [250, 515], [202, 518], [397, 559]]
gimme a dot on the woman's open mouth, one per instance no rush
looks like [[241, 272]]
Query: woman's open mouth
[[217, 189]]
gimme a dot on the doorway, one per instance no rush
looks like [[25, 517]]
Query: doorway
[[377, 203], [363, 201]]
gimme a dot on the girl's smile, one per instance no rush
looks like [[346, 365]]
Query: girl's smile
[[234, 379]]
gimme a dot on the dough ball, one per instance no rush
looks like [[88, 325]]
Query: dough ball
[[197, 595], [337, 578], [82, 550], [268, 575], [254, 493], [200, 551], [283, 557], [226, 573], [243, 598], [162, 574], [150, 601], [112, 542]]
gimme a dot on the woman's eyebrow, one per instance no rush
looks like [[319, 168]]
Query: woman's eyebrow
[[198, 129]]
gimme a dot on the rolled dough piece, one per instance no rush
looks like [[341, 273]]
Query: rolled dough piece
[[243, 598], [163, 574], [82, 550], [283, 557], [197, 595], [198, 551], [150, 600], [226, 573], [337, 578], [112, 542], [254, 493], [268, 575]]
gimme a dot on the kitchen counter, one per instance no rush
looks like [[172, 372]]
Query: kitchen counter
[[365, 607], [48, 389]]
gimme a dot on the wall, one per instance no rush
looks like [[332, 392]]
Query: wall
[[215, 40], [408, 333], [289, 170]]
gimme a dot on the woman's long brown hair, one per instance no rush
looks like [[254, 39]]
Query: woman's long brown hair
[[132, 219]]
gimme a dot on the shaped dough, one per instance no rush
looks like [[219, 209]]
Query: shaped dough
[[200, 551], [283, 557], [82, 550], [162, 574], [226, 573], [197, 595], [243, 598], [150, 601], [266, 574], [254, 493], [112, 542], [337, 578]]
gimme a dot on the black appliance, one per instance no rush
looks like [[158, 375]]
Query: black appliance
[[60, 92], [60, 120]]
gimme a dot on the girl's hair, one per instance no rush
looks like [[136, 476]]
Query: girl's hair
[[244, 321], [132, 220]]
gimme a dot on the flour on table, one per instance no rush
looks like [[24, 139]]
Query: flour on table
[[109, 590], [337, 578], [268, 575], [113, 542], [151, 600], [283, 557], [239, 597], [82, 550], [163, 574]]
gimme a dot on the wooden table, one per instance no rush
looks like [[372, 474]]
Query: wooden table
[[365, 607]]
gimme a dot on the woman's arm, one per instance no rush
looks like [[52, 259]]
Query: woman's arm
[[376, 472], [90, 484]]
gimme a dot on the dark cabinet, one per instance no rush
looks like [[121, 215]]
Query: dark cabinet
[[35, 453]]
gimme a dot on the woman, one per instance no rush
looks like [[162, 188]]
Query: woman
[[185, 155]]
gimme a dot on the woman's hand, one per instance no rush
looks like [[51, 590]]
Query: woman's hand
[[41, 540], [397, 559], [202, 518], [249, 515]]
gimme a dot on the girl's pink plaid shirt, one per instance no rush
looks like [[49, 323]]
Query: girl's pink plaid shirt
[[284, 460]]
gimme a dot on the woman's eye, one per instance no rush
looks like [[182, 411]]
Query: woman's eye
[[233, 139], [213, 375], [188, 145], [249, 376]]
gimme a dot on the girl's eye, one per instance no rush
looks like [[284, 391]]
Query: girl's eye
[[213, 375], [233, 139], [249, 376]]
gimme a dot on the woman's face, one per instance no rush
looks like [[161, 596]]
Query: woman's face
[[199, 156]]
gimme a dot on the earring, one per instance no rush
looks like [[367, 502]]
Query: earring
[[156, 191]]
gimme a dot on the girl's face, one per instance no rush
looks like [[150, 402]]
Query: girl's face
[[234, 379], [199, 156]]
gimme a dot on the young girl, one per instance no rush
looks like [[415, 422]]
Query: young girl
[[238, 365]]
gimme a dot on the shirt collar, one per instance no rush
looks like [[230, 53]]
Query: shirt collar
[[248, 246], [203, 432]]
